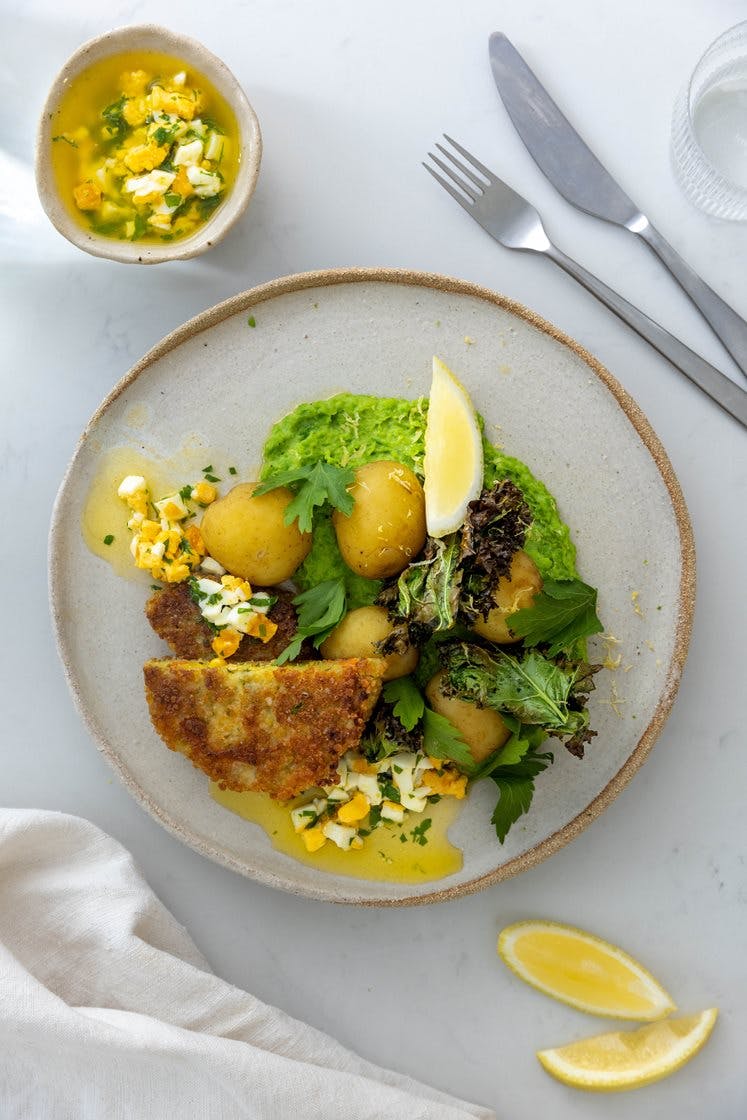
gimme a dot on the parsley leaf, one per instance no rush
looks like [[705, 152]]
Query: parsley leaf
[[442, 740], [319, 611], [516, 785], [563, 612], [67, 140], [112, 114], [419, 832], [315, 485], [407, 700]]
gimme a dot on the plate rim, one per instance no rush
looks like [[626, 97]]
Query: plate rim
[[323, 278]]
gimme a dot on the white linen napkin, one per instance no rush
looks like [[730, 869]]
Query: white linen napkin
[[109, 1012]]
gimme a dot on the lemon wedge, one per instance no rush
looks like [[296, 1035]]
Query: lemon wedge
[[629, 1059], [582, 970], [453, 467]]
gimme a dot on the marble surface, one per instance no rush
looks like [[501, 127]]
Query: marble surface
[[350, 97]]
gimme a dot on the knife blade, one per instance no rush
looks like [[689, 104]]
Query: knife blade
[[573, 169]]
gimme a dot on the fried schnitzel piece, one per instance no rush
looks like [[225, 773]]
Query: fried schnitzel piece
[[176, 618], [276, 728]]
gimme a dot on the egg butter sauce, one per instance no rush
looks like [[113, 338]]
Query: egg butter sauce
[[397, 854], [144, 148]]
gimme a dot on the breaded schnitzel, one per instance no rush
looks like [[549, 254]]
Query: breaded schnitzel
[[280, 729], [176, 618]]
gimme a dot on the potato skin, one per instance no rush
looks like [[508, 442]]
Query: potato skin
[[514, 592], [386, 529], [482, 729], [248, 537], [357, 636]]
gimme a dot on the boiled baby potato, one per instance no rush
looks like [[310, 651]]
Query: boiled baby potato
[[482, 729], [358, 636], [515, 592], [248, 536], [387, 526]]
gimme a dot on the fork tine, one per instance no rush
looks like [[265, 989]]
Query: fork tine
[[453, 176], [467, 155], [448, 187], [480, 183]]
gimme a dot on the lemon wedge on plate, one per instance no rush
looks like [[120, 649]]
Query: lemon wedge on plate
[[582, 970], [453, 467], [629, 1059]]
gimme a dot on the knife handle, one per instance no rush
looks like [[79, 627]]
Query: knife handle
[[729, 327], [721, 389]]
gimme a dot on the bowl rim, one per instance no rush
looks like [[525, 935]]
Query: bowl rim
[[297, 282], [161, 40]]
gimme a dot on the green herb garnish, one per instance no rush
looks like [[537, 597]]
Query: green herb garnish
[[407, 700], [419, 833], [67, 140], [112, 114], [314, 485], [516, 785], [252, 321], [562, 613], [442, 740], [320, 609], [109, 539]]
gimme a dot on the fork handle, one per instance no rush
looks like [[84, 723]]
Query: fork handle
[[721, 389], [729, 327]]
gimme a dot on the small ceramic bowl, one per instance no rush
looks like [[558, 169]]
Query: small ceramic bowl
[[149, 37]]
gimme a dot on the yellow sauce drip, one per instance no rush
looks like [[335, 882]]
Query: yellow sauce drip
[[105, 514], [383, 855]]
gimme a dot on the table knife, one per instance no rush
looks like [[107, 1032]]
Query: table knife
[[577, 174]]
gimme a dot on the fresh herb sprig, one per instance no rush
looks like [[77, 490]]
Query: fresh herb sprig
[[407, 701], [562, 613], [315, 485], [442, 740], [516, 784], [320, 609]]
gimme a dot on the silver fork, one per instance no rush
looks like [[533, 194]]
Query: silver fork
[[513, 222]]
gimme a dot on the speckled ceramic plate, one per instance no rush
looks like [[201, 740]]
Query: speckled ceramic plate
[[545, 399]]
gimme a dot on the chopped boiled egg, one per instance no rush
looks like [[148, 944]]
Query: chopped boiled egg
[[187, 154], [172, 507], [160, 543], [215, 146], [368, 795], [391, 811], [206, 184], [147, 188], [304, 816], [204, 493], [342, 835], [232, 606], [354, 810]]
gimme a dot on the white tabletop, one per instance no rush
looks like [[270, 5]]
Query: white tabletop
[[350, 97]]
